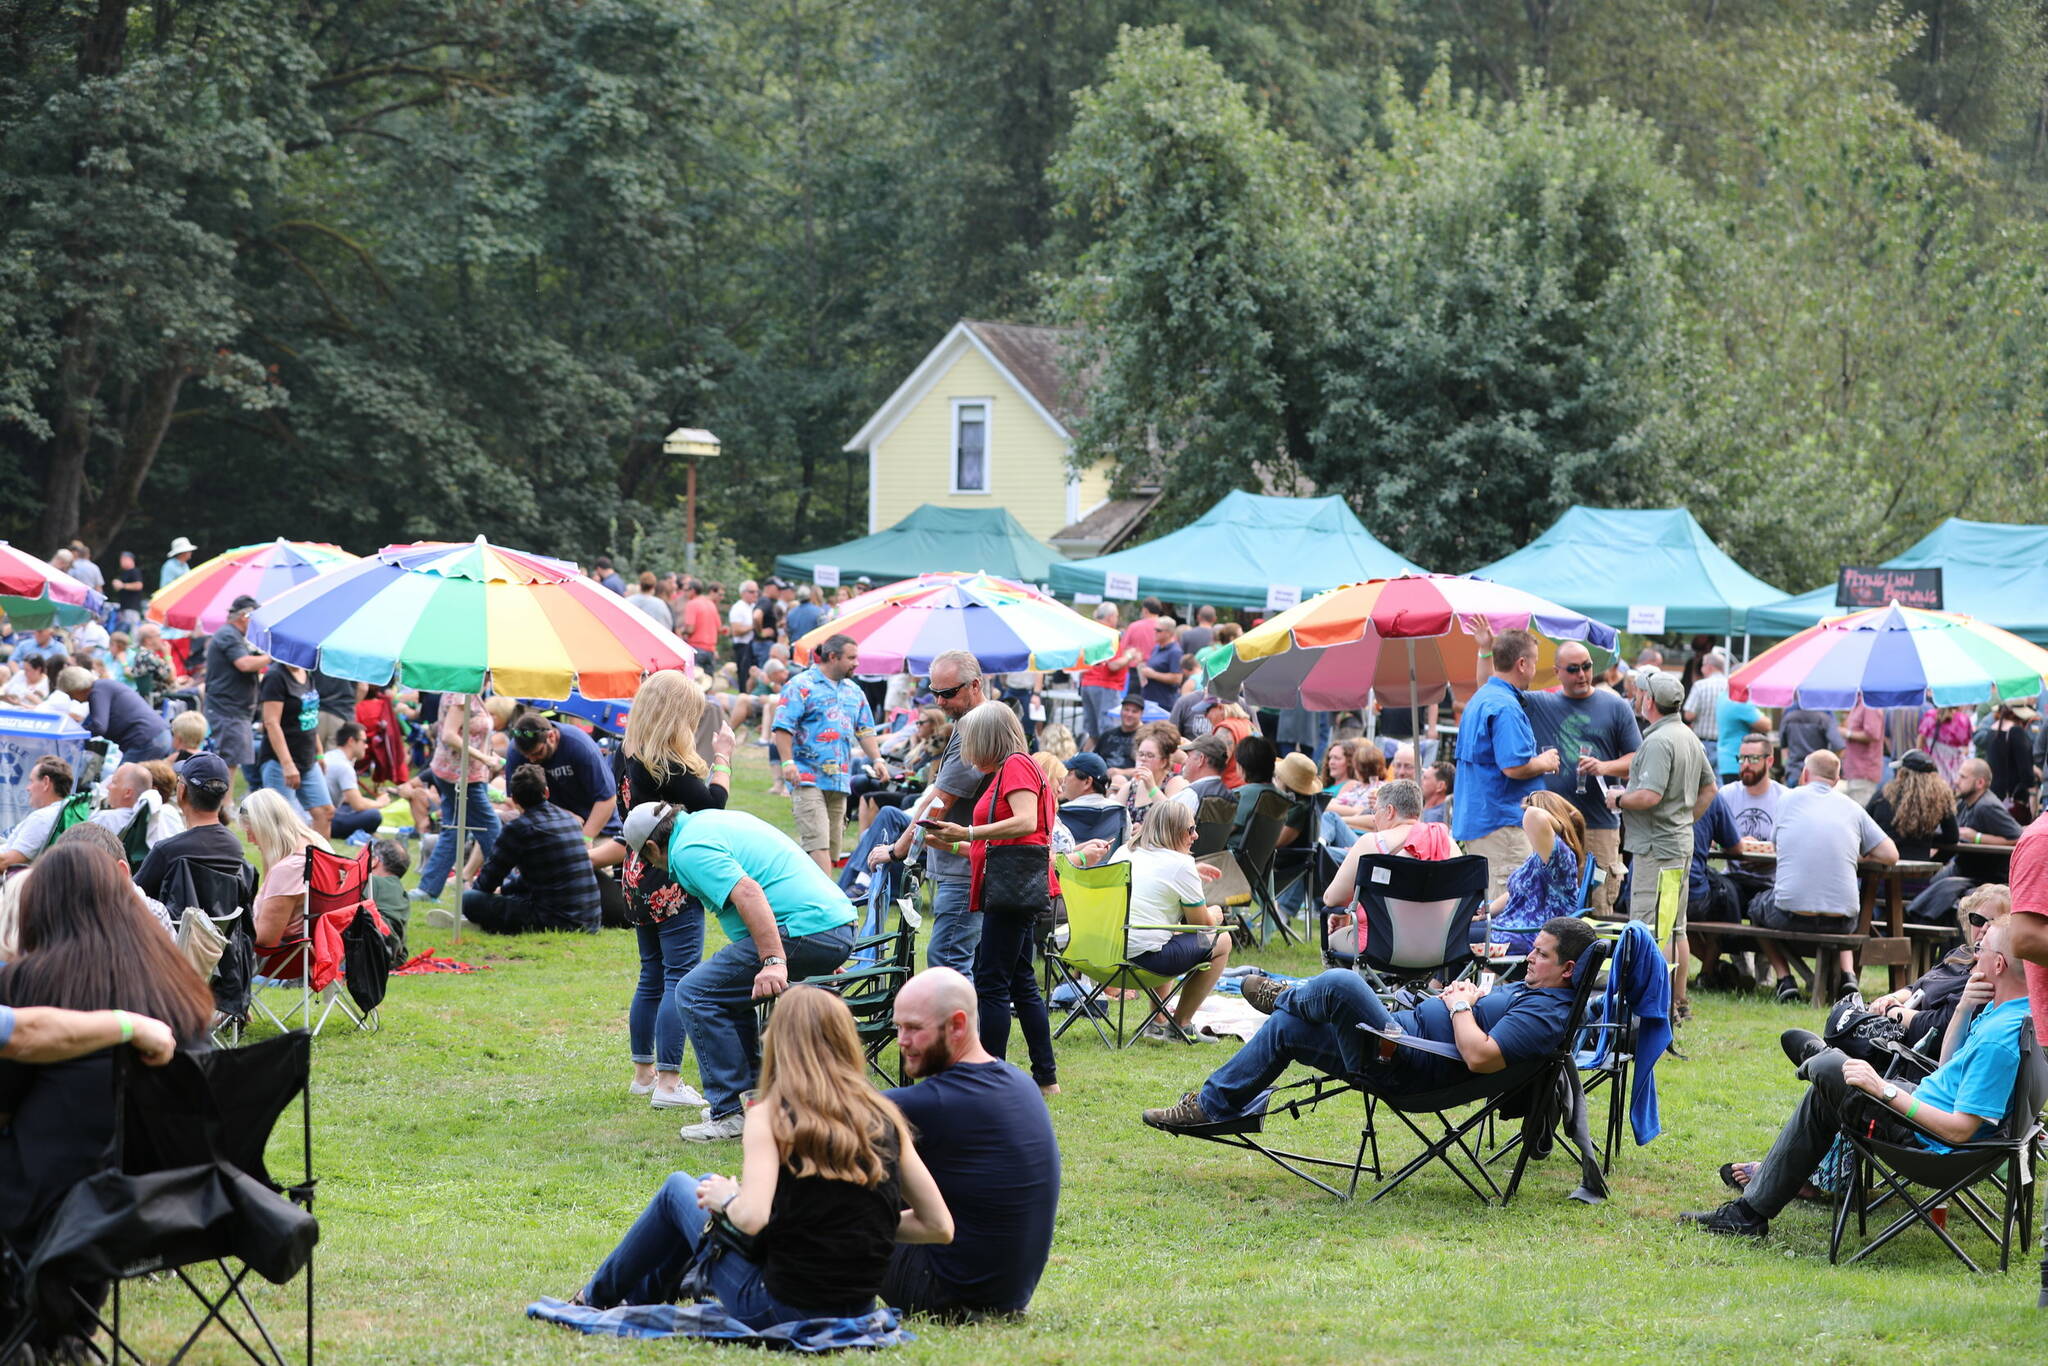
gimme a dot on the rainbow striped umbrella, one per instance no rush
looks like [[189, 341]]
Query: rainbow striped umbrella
[[1326, 653], [198, 600], [35, 592], [446, 616], [1005, 624], [1893, 656]]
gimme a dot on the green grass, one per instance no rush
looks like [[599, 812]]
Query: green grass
[[481, 1151]]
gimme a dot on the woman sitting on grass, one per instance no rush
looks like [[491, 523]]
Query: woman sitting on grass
[[829, 1182]]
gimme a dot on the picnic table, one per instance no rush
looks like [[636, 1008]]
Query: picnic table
[[1893, 949]]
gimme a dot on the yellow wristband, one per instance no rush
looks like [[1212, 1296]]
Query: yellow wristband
[[127, 1023]]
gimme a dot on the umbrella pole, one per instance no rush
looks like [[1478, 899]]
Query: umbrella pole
[[1414, 711], [462, 816]]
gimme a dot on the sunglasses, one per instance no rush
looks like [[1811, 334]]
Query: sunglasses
[[1575, 668], [1978, 920], [947, 693]]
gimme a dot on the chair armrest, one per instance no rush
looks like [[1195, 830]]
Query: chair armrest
[[840, 979], [1415, 1041]]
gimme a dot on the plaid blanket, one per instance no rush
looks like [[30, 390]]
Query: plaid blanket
[[882, 1328]]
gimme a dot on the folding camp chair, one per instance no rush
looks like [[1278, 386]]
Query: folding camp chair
[[337, 892], [1881, 1171], [1214, 818], [223, 896], [185, 1184], [1098, 930], [1255, 854], [1084, 823], [1418, 918], [1539, 1090]]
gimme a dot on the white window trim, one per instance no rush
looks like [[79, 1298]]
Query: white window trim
[[988, 470]]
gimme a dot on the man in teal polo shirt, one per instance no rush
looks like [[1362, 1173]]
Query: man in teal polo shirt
[[786, 918], [1498, 763]]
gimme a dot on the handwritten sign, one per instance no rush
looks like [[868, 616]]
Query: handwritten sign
[[1860, 587], [1086, 599], [1281, 596], [825, 575], [1646, 620], [1119, 587]]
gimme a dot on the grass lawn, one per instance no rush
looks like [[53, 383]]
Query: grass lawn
[[481, 1151]]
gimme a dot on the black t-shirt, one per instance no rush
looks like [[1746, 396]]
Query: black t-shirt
[[1117, 748], [129, 599], [211, 844], [229, 692], [337, 695], [1988, 816], [827, 1243], [300, 719], [983, 1130], [1911, 846], [771, 613]]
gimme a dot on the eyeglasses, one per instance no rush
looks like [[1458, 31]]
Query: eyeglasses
[[1978, 920], [1585, 668], [946, 693]]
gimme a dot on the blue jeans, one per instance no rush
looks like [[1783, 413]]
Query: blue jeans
[[1099, 710], [311, 791], [956, 929], [889, 823], [350, 822], [716, 999], [1003, 981], [668, 950], [648, 1264], [483, 830], [1336, 834], [1315, 1023]]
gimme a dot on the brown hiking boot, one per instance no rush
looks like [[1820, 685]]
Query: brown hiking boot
[[1261, 992], [1189, 1114]]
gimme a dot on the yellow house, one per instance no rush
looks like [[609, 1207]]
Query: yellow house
[[983, 422]]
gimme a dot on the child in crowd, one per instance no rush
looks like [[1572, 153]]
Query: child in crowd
[[388, 864]]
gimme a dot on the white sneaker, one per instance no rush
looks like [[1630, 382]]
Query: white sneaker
[[440, 920], [715, 1130], [640, 1088], [683, 1097]]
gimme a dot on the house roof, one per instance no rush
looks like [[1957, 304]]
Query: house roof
[[1030, 357], [1108, 527]]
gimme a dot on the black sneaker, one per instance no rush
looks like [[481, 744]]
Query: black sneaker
[[1261, 992], [1732, 1220], [1189, 1114], [1788, 991], [1800, 1044], [1849, 986]]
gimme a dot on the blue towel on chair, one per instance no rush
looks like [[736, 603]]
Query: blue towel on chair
[[1646, 992], [881, 1328]]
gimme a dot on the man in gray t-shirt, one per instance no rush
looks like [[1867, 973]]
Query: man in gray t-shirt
[[1821, 835]]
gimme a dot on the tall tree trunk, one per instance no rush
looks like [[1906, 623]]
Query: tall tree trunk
[[142, 436]]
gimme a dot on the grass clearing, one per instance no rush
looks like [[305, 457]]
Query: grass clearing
[[481, 1151]]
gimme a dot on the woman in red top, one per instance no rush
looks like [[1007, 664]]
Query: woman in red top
[[1013, 813]]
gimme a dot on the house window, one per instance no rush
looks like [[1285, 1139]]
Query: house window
[[970, 446]]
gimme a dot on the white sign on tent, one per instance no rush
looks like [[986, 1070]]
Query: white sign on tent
[[1281, 596], [1119, 587], [825, 575], [1646, 621]]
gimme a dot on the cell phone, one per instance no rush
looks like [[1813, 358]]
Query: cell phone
[[930, 824]]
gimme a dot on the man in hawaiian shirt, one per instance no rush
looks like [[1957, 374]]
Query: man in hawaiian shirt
[[822, 712]]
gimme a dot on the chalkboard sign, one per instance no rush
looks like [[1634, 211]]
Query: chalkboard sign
[[1860, 587]]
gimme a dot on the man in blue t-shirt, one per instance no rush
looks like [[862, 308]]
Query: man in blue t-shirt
[[786, 920], [1596, 737], [1317, 1023], [1963, 1099], [982, 1129], [1498, 763], [579, 778]]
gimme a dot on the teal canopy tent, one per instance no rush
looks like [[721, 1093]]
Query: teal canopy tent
[[1994, 571], [1603, 561], [1240, 548], [933, 538]]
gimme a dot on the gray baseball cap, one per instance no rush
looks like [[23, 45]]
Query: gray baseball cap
[[640, 824]]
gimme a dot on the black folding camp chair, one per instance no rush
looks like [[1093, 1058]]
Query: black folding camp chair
[[1417, 919], [185, 1184], [1084, 823], [225, 896], [1881, 1171], [1255, 854], [1214, 818]]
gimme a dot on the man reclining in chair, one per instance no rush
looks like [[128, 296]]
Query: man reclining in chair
[[1963, 1099], [1317, 1023]]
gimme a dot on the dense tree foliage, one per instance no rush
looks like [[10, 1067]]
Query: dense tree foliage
[[372, 269]]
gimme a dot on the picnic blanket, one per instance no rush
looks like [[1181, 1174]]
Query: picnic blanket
[[426, 960], [881, 1328]]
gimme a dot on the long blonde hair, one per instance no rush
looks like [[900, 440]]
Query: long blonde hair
[[1166, 826], [826, 1119], [275, 827], [1571, 825], [661, 730]]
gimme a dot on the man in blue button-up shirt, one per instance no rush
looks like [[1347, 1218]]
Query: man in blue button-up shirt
[[823, 712], [1498, 763]]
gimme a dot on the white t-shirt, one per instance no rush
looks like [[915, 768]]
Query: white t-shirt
[[33, 832], [23, 693], [1756, 817], [1164, 885], [340, 775], [741, 620]]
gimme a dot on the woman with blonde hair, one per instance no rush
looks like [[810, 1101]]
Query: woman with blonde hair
[[1917, 808], [659, 762], [1152, 780], [1166, 892], [281, 838], [1056, 740], [829, 1182], [1547, 883]]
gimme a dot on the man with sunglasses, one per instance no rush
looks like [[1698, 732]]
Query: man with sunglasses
[[823, 712], [956, 683], [579, 779], [1595, 735]]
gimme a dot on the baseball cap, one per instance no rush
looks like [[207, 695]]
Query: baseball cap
[[1666, 691], [244, 603], [204, 770], [1088, 765], [640, 824]]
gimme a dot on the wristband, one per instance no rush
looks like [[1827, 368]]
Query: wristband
[[726, 1203], [721, 768], [1914, 1107], [127, 1023]]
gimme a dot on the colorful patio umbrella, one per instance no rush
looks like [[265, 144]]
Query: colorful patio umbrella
[[35, 592], [1005, 624], [1893, 656], [444, 616], [1328, 653], [199, 599]]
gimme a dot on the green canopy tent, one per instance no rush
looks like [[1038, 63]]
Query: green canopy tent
[[1995, 571], [1240, 549], [932, 537], [1604, 561]]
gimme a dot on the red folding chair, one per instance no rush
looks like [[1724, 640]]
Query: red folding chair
[[337, 892]]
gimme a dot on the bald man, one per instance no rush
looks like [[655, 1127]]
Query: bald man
[[124, 790], [982, 1129]]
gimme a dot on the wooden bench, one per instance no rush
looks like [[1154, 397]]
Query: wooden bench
[[1930, 944], [1869, 948]]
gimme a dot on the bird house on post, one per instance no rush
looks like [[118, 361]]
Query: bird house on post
[[690, 444]]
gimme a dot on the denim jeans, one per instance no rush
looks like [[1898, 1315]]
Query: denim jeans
[[648, 1264], [716, 999], [668, 950], [311, 791], [1099, 710], [1315, 1023], [1002, 980], [956, 929], [1336, 833], [483, 832], [351, 822]]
